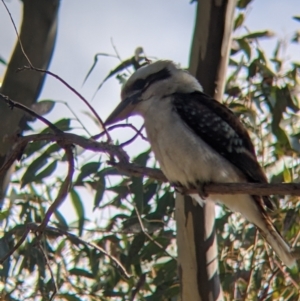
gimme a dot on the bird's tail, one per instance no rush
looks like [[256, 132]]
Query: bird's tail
[[252, 208], [278, 244]]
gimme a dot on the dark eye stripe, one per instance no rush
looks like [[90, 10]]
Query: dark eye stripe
[[143, 84], [139, 84]]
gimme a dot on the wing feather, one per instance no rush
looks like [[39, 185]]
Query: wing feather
[[215, 124]]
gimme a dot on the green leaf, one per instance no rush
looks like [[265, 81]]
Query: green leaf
[[62, 124], [30, 174], [43, 107], [287, 177], [137, 188], [46, 172], [61, 220], [77, 203], [297, 18], [259, 34], [122, 66], [2, 61], [33, 147], [135, 247], [242, 4], [253, 68], [150, 191], [87, 170], [69, 297], [81, 272], [296, 37], [245, 47], [239, 21], [142, 158], [100, 187]]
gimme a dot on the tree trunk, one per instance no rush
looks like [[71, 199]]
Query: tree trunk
[[38, 34], [196, 237]]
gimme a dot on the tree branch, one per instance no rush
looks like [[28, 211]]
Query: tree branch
[[131, 169]]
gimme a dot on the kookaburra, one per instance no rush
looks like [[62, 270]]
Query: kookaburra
[[198, 140]]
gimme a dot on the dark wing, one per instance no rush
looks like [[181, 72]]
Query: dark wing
[[215, 124]]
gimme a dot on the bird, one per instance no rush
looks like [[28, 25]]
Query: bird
[[198, 140]]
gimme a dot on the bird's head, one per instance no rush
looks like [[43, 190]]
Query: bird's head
[[153, 81]]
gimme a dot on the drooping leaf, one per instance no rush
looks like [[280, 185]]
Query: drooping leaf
[[87, 170], [142, 158], [297, 18], [259, 34], [46, 172], [62, 124], [242, 4], [43, 107], [287, 175], [61, 220], [122, 66], [100, 189], [244, 45], [2, 61], [77, 203], [69, 297], [33, 147], [135, 247], [239, 21], [81, 273], [33, 168]]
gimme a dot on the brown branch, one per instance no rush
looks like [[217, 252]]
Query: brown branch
[[130, 169], [69, 138]]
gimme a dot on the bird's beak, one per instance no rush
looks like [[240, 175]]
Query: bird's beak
[[123, 110]]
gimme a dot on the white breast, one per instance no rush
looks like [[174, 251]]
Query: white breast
[[183, 156]]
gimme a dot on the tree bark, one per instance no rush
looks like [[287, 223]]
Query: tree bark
[[196, 236], [38, 34]]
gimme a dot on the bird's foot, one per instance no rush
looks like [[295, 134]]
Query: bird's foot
[[201, 191], [179, 188]]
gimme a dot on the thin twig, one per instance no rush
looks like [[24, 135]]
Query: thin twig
[[147, 234], [75, 115], [116, 50], [251, 265], [16, 246], [268, 283], [14, 104], [31, 67], [17, 33], [287, 275], [120, 125], [74, 91], [132, 139], [50, 270], [73, 237], [63, 191]]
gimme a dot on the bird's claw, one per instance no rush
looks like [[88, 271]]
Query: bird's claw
[[200, 189]]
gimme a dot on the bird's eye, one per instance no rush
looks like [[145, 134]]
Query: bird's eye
[[139, 84]]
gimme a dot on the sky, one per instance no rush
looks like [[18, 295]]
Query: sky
[[162, 27]]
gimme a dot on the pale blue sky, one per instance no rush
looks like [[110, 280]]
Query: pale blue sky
[[162, 27]]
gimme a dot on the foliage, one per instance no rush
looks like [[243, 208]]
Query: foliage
[[131, 253]]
